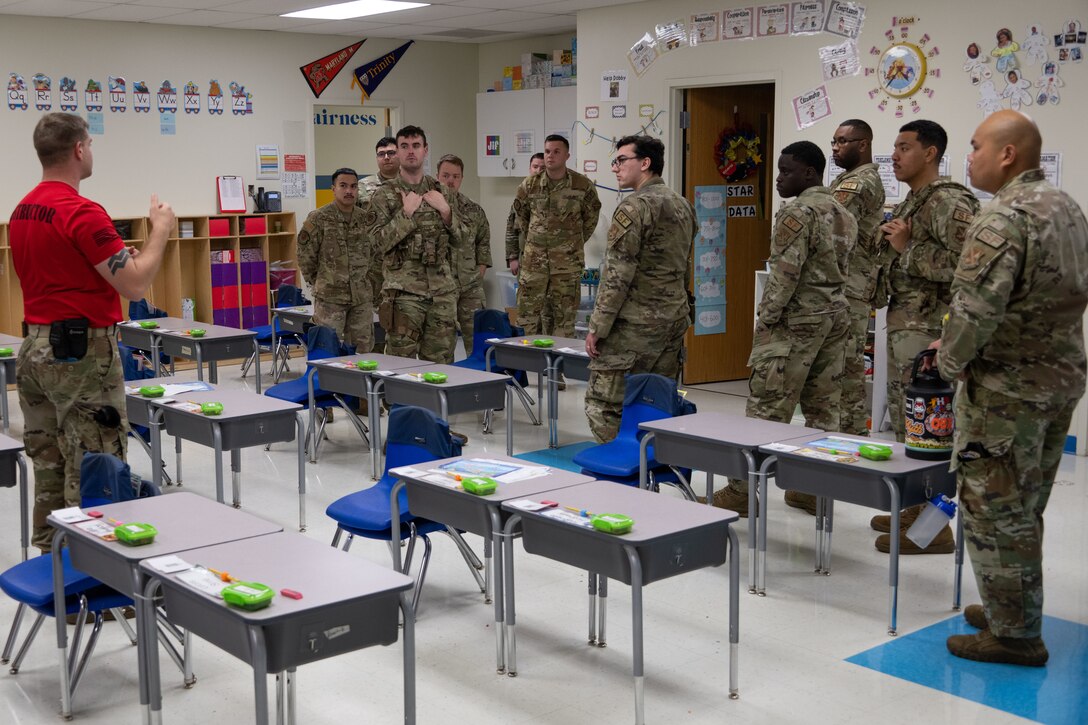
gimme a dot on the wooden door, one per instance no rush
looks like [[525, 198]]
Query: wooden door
[[713, 358]]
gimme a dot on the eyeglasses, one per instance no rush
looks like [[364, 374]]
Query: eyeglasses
[[622, 159], [386, 154], [843, 141]]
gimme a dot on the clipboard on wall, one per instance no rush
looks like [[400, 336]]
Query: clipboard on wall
[[231, 193]]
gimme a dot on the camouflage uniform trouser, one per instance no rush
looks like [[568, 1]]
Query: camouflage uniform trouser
[[903, 347], [629, 350], [59, 400], [468, 301], [853, 413], [549, 287], [1003, 494], [354, 324], [799, 360], [423, 327]]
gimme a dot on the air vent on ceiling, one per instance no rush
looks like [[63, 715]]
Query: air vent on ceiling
[[468, 33]]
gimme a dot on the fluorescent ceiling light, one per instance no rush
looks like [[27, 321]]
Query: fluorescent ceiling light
[[357, 9]]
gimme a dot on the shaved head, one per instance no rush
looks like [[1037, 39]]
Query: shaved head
[[1005, 145]]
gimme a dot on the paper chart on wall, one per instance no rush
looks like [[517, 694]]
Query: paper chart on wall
[[642, 54], [704, 28], [738, 24], [840, 61], [806, 18], [614, 86], [773, 20], [844, 18], [811, 107]]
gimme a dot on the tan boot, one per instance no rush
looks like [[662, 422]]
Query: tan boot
[[804, 501], [726, 498], [943, 543], [985, 646], [975, 616], [907, 516]]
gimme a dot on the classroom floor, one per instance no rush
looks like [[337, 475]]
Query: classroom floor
[[813, 650]]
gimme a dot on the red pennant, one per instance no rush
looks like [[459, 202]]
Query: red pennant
[[321, 72]]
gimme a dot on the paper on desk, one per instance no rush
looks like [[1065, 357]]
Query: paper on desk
[[523, 474], [70, 515], [188, 406], [169, 564], [196, 386], [572, 351], [784, 447], [407, 471], [527, 504], [203, 580], [94, 527], [568, 517]]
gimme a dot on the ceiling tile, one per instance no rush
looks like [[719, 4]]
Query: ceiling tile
[[53, 8]]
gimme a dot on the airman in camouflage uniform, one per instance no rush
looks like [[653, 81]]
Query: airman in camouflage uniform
[[1015, 339], [335, 256], [388, 165], [470, 256], [800, 336], [413, 220], [515, 246], [558, 215], [860, 190], [642, 308]]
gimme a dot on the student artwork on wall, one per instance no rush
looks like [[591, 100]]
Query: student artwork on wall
[[43, 92], [215, 98], [17, 93], [69, 96], [241, 101], [118, 94], [167, 97], [709, 259], [141, 97], [92, 96], [704, 28], [191, 99]]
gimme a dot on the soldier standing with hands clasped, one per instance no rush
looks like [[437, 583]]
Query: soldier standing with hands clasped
[[1015, 339]]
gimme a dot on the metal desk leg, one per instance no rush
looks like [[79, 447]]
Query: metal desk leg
[[24, 504], [61, 626], [213, 378], [4, 396], [509, 420], [311, 435], [236, 477], [259, 660], [643, 464], [591, 636], [409, 658], [281, 697], [602, 610], [217, 444], [497, 537], [177, 461], [154, 425], [374, 415], [156, 356], [508, 595], [957, 585], [893, 556], [764, 501], [829, 524], [734, 613], [818, 567], [300, 438], [553, 372], [636, 635], [148, 649], [754, 508], [710, 488], [257, 360]]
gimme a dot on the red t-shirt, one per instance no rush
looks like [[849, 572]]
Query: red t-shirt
[[57, 237]]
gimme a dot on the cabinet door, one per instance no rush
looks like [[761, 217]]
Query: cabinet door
[[559, 113], [509, 130]]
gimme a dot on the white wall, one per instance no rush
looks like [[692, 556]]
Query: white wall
[[132, 159], [605, 36]]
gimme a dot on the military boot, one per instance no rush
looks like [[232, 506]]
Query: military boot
[[975, 616], [907, 516], [985, 646], [943, 543], [804, 501]]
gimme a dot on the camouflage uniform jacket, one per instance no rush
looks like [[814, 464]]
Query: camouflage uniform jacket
[[645, 268], [474, 247], [861, 191], [515, 238], [557, 213], [334, 254], [810, 250], [415, 251], [920, 279], [1019, 294], [367, 186]]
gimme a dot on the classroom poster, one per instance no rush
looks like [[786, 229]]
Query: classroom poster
[[738, 24], [709, 259], [812, 107], [844, 18], [704, 28], [806, 18], [772, 20]]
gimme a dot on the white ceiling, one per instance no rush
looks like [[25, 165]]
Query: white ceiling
[[466, 21]]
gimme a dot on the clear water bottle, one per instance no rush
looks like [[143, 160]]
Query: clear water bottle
[[937, 514]]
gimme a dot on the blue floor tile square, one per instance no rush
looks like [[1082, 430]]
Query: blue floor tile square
[[1056, 694], [557, 457]]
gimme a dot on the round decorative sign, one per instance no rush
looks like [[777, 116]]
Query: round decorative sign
[[902, 70], [905, 70]]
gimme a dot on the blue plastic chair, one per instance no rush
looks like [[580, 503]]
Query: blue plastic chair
[[272, 339], [321, 343], [488, 324], [132, 371], [646, 397], [415, 436]]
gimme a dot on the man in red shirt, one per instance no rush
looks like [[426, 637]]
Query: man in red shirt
[[73, 267]]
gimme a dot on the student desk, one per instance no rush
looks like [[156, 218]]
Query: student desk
[[482, 515], [184, 521], [172, 338], [141, 411], [669, 537], [463, 392], [12, 472], [726, 445], [888, 485], [247, 420], [294, 319], [568, 355], [347, 604], [7, 374], [341, 375]]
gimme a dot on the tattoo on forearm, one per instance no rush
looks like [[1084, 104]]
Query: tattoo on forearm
[[118, 261]]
